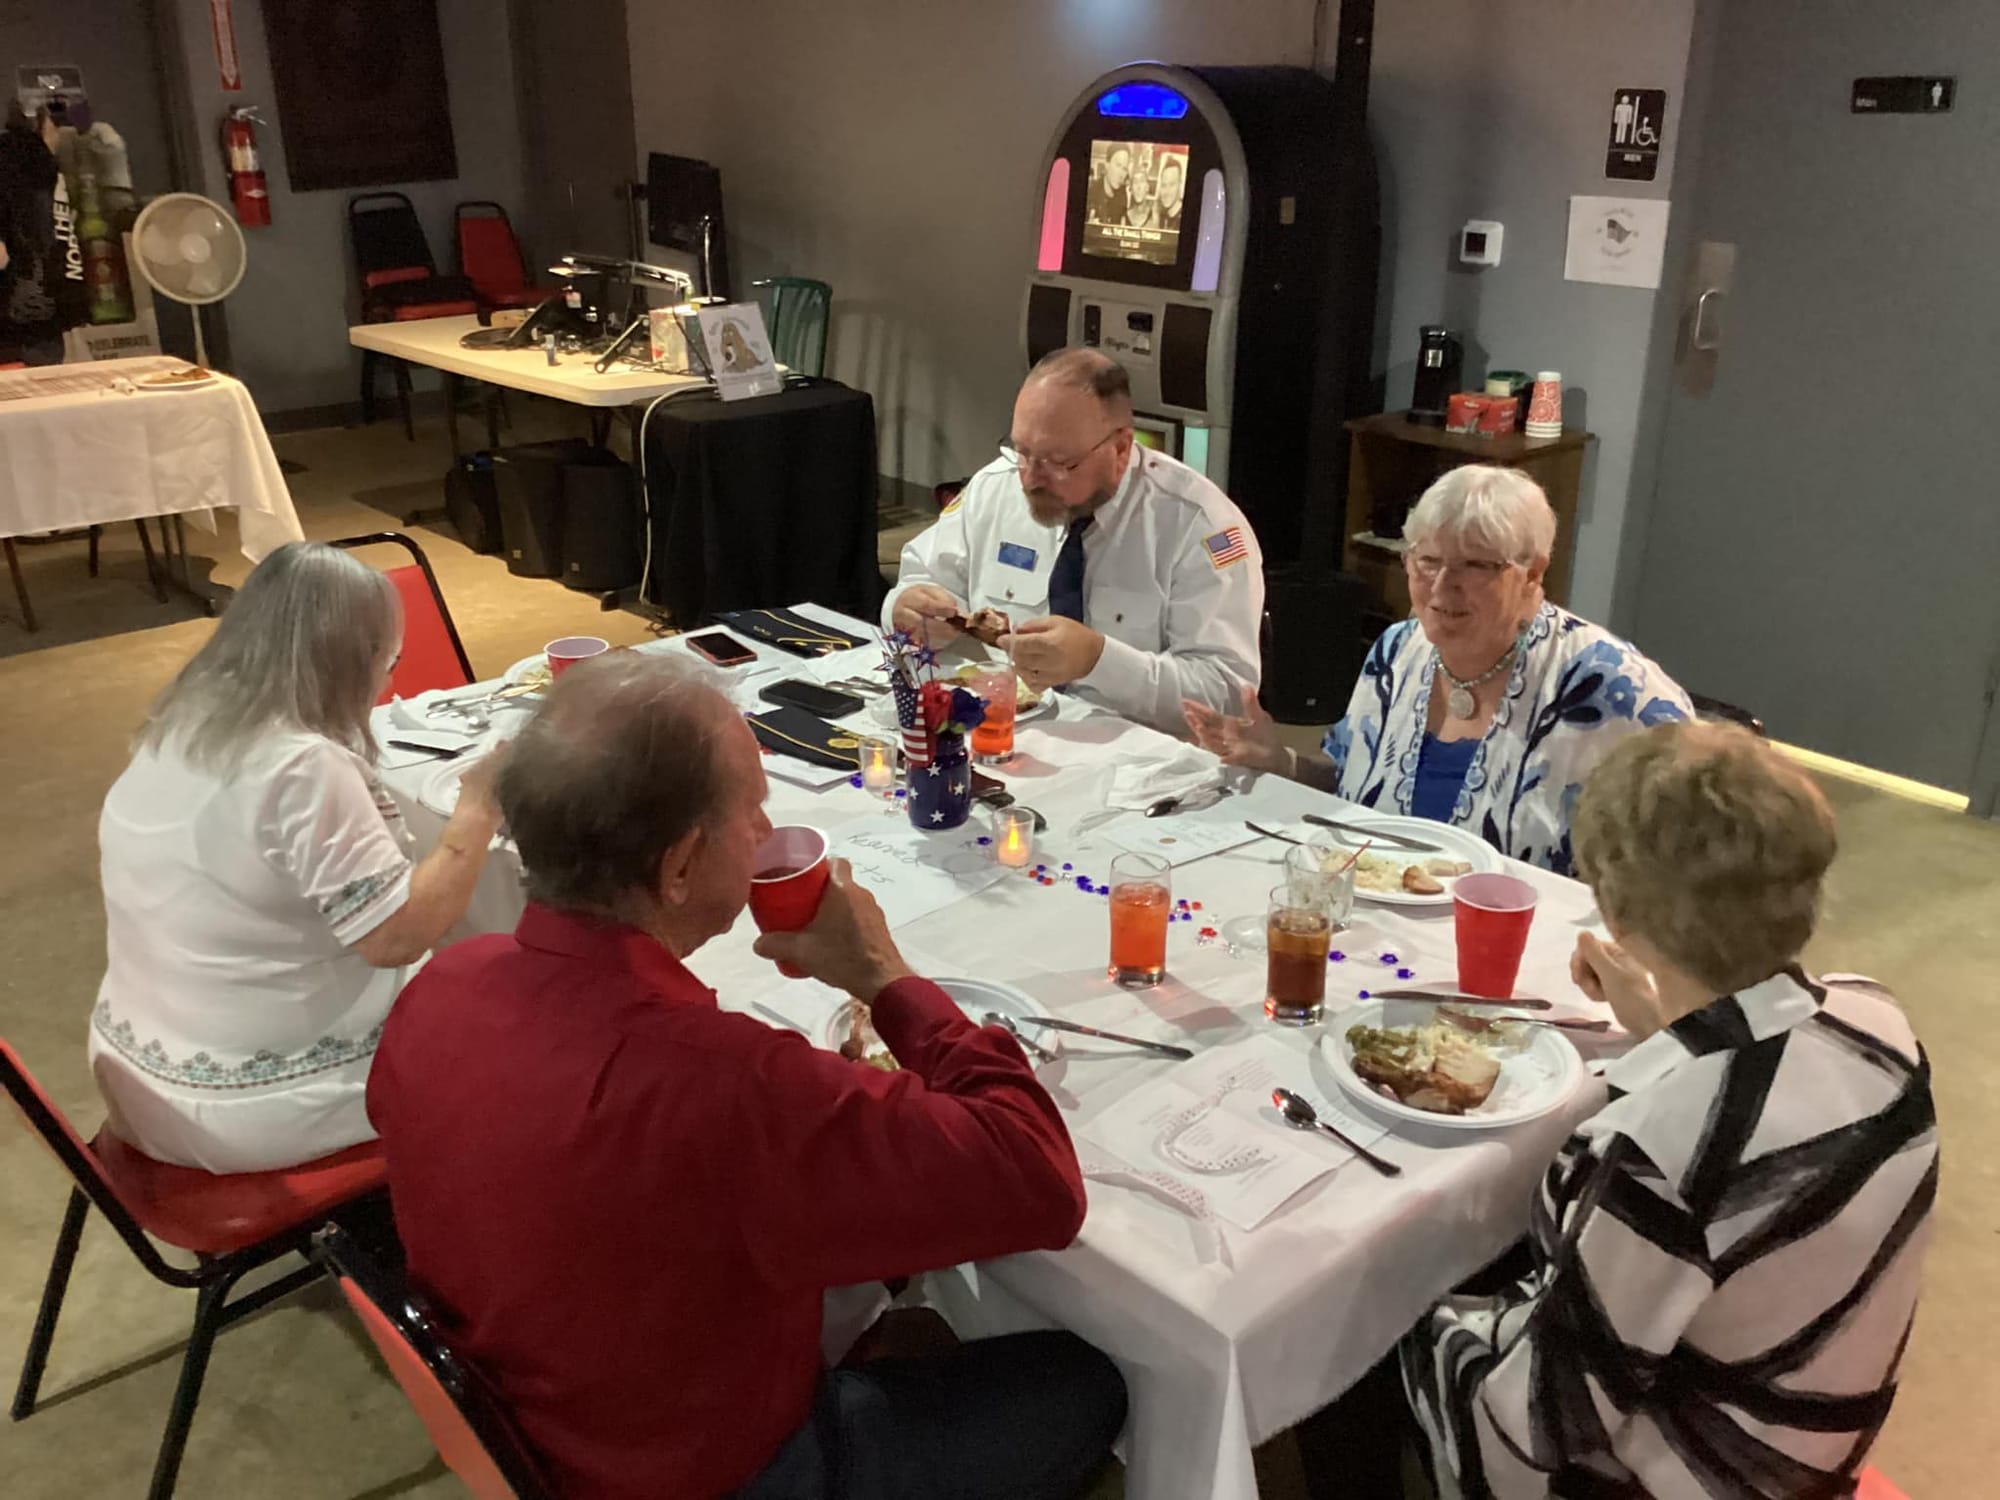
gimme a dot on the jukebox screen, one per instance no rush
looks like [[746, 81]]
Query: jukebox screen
[[1132, 210]]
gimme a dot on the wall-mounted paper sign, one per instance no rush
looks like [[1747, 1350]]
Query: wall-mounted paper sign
[[1617, 241]]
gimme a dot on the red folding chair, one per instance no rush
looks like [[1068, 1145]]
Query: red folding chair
[[490, 257], [399, 283], [471, 1429], [433, 655], [233, 1224]]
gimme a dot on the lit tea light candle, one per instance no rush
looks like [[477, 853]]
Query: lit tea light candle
[[1014, 837], [877, 759]]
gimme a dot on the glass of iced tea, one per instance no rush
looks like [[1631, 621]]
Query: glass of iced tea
[[1297, 935], [993, 737], [1141, 899]]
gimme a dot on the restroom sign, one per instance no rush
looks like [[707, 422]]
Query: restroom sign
[[1638, 124]]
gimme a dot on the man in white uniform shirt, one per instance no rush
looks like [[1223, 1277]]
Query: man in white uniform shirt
[[1124, 573]]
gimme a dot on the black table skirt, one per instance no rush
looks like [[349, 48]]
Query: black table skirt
[[762, 502]]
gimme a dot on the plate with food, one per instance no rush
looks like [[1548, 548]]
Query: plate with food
[[852, 1034], [1404, 1060], [187, 378], [528, 676], [1413, 877]]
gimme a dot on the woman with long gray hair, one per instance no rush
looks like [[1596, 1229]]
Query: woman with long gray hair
[[262, 910]]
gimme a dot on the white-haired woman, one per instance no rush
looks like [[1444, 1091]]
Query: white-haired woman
[[1489, 706], [262, 910]]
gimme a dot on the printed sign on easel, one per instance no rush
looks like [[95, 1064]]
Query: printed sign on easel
[[739, 351], [1638, 125]]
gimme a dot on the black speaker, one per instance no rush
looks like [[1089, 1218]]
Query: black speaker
[[528, 481], [602, 542], [1317, 631], [472, 502]]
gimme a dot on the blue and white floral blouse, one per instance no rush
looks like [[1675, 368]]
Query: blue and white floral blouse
[[1575, 692]]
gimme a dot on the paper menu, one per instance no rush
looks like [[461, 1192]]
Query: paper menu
[[912, 873], [1210, 1129]]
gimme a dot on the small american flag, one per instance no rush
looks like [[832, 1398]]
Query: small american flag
[[1226, 547], [916, 746]]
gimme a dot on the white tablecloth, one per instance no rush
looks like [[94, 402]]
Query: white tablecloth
[[1225, 1337], [76, 460]]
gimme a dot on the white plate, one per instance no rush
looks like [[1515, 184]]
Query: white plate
[[1451, 842], [159, 382], [973, 996], [1539, 1076], [521, 668], [439, 791]]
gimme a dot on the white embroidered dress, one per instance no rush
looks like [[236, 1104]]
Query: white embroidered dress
[[235, 1024]]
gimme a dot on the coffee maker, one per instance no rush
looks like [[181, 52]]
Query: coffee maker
[[1440, 357]]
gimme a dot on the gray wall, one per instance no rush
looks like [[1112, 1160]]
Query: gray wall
[[1500, 111], [890, 148], [112, 41], [288, 320]]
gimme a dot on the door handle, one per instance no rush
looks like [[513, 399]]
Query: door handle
[[1706, 334]]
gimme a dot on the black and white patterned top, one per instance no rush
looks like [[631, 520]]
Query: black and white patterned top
[[1727, 1259]]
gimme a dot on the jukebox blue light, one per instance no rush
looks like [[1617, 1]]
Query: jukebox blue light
[[1142, 101]]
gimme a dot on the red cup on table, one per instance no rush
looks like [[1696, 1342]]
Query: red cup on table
[[1492, 915], [791, 873], [571, 649]]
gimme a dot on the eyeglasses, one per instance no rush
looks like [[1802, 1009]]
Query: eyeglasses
[[1430, 567], [1061, 468]]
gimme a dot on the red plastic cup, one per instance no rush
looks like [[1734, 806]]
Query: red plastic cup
[[570, 650], [791, 873], [1493, 914]]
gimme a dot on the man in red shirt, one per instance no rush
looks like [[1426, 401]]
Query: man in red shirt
[[627, 1203]]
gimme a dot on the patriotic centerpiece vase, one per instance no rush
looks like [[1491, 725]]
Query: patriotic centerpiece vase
[[935, 717]]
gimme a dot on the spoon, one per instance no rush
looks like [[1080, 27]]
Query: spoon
[[1028, 1044], [1302, 1116]]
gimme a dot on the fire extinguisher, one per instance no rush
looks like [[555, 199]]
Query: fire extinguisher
[[247, 191]]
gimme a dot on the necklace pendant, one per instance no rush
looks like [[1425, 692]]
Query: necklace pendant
[[1460, 704]]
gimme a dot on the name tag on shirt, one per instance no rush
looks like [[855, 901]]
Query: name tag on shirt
[[1014, 555]]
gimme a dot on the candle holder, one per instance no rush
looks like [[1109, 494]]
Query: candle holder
[[1013, 836], [876, 760]]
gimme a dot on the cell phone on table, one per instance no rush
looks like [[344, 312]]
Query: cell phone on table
[[721, 648], [986, 788], [814, 699]]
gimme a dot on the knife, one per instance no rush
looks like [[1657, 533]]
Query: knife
[[1165, 1049], [1519, 1002], [1372, 832]]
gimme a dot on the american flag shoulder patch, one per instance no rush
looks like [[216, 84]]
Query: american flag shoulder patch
[[1226, 547]]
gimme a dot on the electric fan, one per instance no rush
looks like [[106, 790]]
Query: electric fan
[[191, 251]]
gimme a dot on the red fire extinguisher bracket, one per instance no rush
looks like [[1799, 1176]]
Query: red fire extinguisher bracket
[[249, 194]]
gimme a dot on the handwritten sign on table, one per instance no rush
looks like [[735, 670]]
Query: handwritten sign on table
[[1210, 1128], [914, 874]]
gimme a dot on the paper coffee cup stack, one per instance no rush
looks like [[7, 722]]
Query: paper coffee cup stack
[[1545, 405]]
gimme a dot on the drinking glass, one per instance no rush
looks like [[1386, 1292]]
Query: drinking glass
[[1323, 870], [993, 738], [1141, 899], [1297, 937]]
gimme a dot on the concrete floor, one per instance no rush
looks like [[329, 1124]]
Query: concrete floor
[[297, 1406]]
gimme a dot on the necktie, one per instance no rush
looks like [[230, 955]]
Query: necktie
[[1066, 579]]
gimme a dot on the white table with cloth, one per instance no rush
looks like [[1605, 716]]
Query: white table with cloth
[[1226, 1337], [84, 445]]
